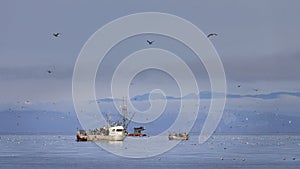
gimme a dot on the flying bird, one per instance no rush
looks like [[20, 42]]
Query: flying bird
[[150, 42], [212, 34], [56, 34], [51, 70]]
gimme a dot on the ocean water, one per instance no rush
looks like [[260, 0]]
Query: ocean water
[[219, 152]]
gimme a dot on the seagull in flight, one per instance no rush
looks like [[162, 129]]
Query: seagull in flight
[[212, 34], [56, 34], [51, 70], [150, 42]]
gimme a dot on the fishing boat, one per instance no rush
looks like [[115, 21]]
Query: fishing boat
[[111, 132], [108, 133], [178, 136], [81, 135], [137, 132]]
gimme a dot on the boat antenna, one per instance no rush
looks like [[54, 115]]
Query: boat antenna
[[108, 120], [124, 111]]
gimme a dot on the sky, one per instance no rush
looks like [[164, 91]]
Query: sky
[[258, 44]]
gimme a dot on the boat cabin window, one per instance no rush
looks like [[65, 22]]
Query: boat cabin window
[[113, 129], [119, 129]]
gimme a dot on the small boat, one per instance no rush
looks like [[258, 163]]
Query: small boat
[[137, 132], [81, 135], [178, 136]]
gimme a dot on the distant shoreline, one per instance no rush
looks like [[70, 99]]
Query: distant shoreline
[[150, 134]]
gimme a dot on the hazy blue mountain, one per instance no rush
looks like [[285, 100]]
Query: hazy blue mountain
[[203, 95], [153, 96], [38, 121], [67, 122], [266, 96], [61, 117], [108, 100]]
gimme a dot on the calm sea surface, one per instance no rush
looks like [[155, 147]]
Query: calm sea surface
[[220, 151]]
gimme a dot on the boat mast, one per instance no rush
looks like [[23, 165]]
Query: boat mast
[[124, 111], [108, 120]]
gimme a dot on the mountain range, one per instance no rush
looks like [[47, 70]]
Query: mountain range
[[203, 95]]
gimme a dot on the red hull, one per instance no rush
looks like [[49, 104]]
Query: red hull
[[136, 135], [81, 138]]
